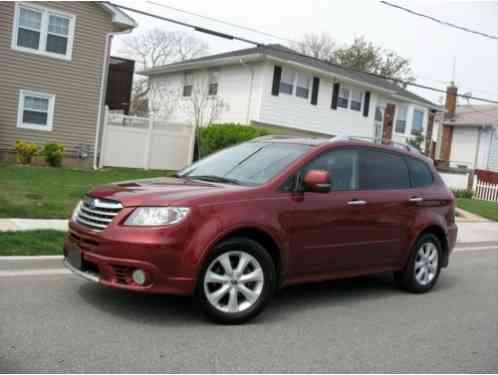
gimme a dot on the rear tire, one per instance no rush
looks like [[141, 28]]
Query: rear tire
[[236, 281], [421, 272]]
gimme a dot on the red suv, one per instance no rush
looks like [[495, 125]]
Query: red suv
[[237, 225]]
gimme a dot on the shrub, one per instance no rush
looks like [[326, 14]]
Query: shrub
[[25, 151], [218, 136], [54, 152], [462, 193]]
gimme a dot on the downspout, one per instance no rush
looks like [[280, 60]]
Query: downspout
[[478, 146], [103, 89], [249, 101]]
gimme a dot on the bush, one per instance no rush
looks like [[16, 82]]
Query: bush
[[54, 152], [218, 136], [25, 151], [463, 193]]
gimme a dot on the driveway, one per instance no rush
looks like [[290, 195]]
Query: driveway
[[61, 323]]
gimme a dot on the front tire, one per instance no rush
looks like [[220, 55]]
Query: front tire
[[236, 282], [421, 272]]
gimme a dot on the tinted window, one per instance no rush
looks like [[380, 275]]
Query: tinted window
[[382, 171], [342, 166], [420, 173]]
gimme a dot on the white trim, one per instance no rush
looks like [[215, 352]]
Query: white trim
[[46, 12], [50, 111]]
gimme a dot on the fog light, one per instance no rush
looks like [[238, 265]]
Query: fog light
[[138, 276]]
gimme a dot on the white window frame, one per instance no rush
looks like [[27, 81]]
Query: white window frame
[[407, 114], [351, 93], [309, 80], [46, 12], [418, 109], [292, 84], [50, 113], [348, 98]]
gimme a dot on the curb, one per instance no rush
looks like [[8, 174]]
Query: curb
[[31, 257]]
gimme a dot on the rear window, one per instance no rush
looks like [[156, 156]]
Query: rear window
[[420, 173], [380, 170]]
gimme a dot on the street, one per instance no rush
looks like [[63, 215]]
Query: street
[[58, 322]]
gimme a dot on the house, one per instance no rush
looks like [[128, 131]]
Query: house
[[54, 58], [468, 136], [275, 87]]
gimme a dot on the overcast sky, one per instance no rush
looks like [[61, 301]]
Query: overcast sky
[[431, 47]]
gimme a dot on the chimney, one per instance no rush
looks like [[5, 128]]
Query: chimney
[[451, 101]]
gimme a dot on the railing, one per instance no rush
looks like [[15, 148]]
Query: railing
[[485, 191]]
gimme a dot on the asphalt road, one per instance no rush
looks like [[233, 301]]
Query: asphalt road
[[62, 323]]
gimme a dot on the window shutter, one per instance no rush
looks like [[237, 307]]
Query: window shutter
[[335, 95], [277, 75], [314, 90], [366, 105]]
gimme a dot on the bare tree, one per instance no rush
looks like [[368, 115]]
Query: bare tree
[[320, 46], [154, 48]]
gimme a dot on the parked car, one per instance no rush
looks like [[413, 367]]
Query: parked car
[[241, 223]]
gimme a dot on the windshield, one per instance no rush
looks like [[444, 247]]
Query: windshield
[[251, 163]]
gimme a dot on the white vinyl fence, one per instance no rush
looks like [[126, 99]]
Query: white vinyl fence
[[140, 142], [484, 190]]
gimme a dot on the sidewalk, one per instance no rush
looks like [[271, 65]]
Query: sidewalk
[[32, 224], [468, 231]]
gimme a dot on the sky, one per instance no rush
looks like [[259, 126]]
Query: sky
[[431, 48]]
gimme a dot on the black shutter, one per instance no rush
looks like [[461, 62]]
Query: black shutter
[[277, 75], [335, 95], [366, 105], [314, 90]]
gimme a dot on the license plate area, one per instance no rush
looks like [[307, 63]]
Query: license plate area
[[74, 258]]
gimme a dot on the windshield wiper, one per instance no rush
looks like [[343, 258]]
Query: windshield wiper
[[213, 178]]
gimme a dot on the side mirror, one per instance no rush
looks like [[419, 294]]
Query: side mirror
[[317, 180]]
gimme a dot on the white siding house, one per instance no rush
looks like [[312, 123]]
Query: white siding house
[[273, 86]]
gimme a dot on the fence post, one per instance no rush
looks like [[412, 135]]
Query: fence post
[[103, 141], [147, 142]]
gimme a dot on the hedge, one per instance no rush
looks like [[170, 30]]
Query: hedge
[[215, 137]]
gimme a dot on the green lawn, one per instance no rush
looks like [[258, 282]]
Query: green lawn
[[38, 242], [51, 193], [488, 210]]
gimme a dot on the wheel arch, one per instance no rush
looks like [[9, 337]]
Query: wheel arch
[[440, 233]]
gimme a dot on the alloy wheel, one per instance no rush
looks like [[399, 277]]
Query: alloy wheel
[[233, 282], [426, 263]]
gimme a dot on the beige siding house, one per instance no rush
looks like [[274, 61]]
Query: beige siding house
[[53, 59]]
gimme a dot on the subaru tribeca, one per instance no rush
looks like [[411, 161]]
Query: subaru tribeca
[[241, 223]]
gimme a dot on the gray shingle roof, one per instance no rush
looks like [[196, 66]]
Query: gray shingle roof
[[285, 53], [475, 115]]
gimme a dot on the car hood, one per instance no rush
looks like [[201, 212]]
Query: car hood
[[160, 191]]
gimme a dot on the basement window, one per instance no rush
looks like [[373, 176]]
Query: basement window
[[43, 31], [35, 111]]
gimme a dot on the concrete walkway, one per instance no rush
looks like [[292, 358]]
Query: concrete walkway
[[31, 224], [468, 231]]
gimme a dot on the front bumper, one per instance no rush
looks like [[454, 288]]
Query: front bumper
[[111, 260]]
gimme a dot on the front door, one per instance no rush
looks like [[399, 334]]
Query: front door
[[361, 223]]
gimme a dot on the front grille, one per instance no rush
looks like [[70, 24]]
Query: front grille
[[96, 214]]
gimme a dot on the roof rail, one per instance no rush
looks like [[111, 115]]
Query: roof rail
[[273, 136], [400, 145]]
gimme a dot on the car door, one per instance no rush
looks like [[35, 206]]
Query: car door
[[360, 223]]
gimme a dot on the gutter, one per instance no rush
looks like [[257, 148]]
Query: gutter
[[103, 89]]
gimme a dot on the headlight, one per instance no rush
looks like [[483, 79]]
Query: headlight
[[76, 210], [149, 216]]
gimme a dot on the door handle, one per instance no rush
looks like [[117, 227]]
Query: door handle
[[416, 199], [357, 202]]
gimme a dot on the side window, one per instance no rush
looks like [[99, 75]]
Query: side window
[[420, 173], [342, 166], [380, 170]]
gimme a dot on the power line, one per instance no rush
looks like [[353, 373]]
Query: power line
[[270, 47], [442, 22], [247, 28]]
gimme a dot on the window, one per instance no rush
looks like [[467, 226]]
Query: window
[[187, 90], [380, 170], [343, 99], [356, 98], [401, 120], [378, 114], [213, 82], [35, 111], [342, 166], [43, 31], [420, 174], [418, 122], [287, 81], [303, 85]]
